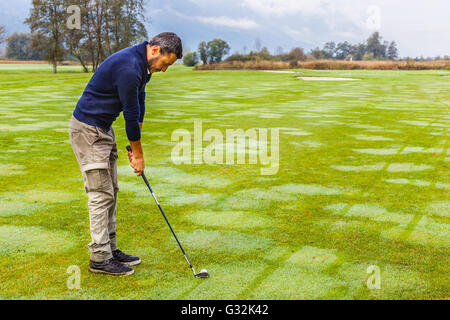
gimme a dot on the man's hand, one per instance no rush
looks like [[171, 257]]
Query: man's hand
[[137, 164], [136, 157]]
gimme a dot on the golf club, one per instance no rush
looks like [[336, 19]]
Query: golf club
[[203, 273]]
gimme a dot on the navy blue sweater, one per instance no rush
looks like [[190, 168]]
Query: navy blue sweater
[[117, 85]]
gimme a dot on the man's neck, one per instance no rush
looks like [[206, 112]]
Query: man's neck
[[148, 57]]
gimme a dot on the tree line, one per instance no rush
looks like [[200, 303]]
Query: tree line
[[18, 46], [102, 27], [374, 48]]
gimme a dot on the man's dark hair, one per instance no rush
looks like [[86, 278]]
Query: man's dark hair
[[169, 42]]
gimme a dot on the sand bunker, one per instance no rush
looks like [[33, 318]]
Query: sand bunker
[[325, 79]]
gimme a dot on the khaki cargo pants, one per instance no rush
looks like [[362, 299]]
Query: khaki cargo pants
[[96, 152]]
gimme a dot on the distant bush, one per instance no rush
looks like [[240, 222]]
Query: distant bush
[[368, 56], [248, 65], [190, 59], [261, 55], [242, 57]]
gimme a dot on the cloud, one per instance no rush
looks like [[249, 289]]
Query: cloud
[[346, 35], [333, 13], [299, 34], [221, 21], [229, 22], [284, 7], [421, 29]]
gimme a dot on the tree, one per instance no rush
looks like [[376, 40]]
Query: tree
[[329, 49], [392, 52], [92, 42], [190, 59], [75, 38], [124, 22], [342, 50], [258, 44], [107, 26], [297, 54], [19, 46], [375, 46], [2, 33], [217, 49], [264, 54], [203, 51], [47, 18], [279, 51], [318, 54], [384, 49], [358, 51]]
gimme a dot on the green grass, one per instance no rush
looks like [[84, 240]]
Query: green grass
[[363, 180]]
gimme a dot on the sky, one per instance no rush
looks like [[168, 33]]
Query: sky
[[418, 27]]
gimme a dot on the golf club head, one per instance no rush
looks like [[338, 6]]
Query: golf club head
[[202, 274]]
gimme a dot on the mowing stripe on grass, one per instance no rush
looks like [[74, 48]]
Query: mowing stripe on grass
[[301, 276], [19, 240]]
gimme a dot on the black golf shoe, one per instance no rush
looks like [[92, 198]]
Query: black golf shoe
[[112, 267], [125, 258]]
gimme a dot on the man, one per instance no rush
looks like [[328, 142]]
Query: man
[[117, 85]]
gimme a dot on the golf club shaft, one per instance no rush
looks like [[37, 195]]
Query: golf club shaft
[[160, 209]]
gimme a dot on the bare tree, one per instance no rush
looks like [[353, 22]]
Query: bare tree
[[47, 19], [107, 26], [97, 16], [279, 51], [258, 44]]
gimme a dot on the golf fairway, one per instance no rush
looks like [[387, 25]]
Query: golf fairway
[[362, 184]]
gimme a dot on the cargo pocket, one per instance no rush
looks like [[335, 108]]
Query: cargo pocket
[[97, 180]]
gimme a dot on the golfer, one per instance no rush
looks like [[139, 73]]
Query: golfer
[[117, 85]]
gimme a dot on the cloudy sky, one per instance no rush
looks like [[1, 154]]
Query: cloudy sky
[[419, 27]]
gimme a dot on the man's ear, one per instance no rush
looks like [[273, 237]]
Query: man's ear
[[155, 50]]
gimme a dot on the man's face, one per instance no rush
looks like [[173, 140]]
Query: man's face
[[158, 61]]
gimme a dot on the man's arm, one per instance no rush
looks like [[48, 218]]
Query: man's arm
[[137, 157], [142, 105], [128, 89]]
